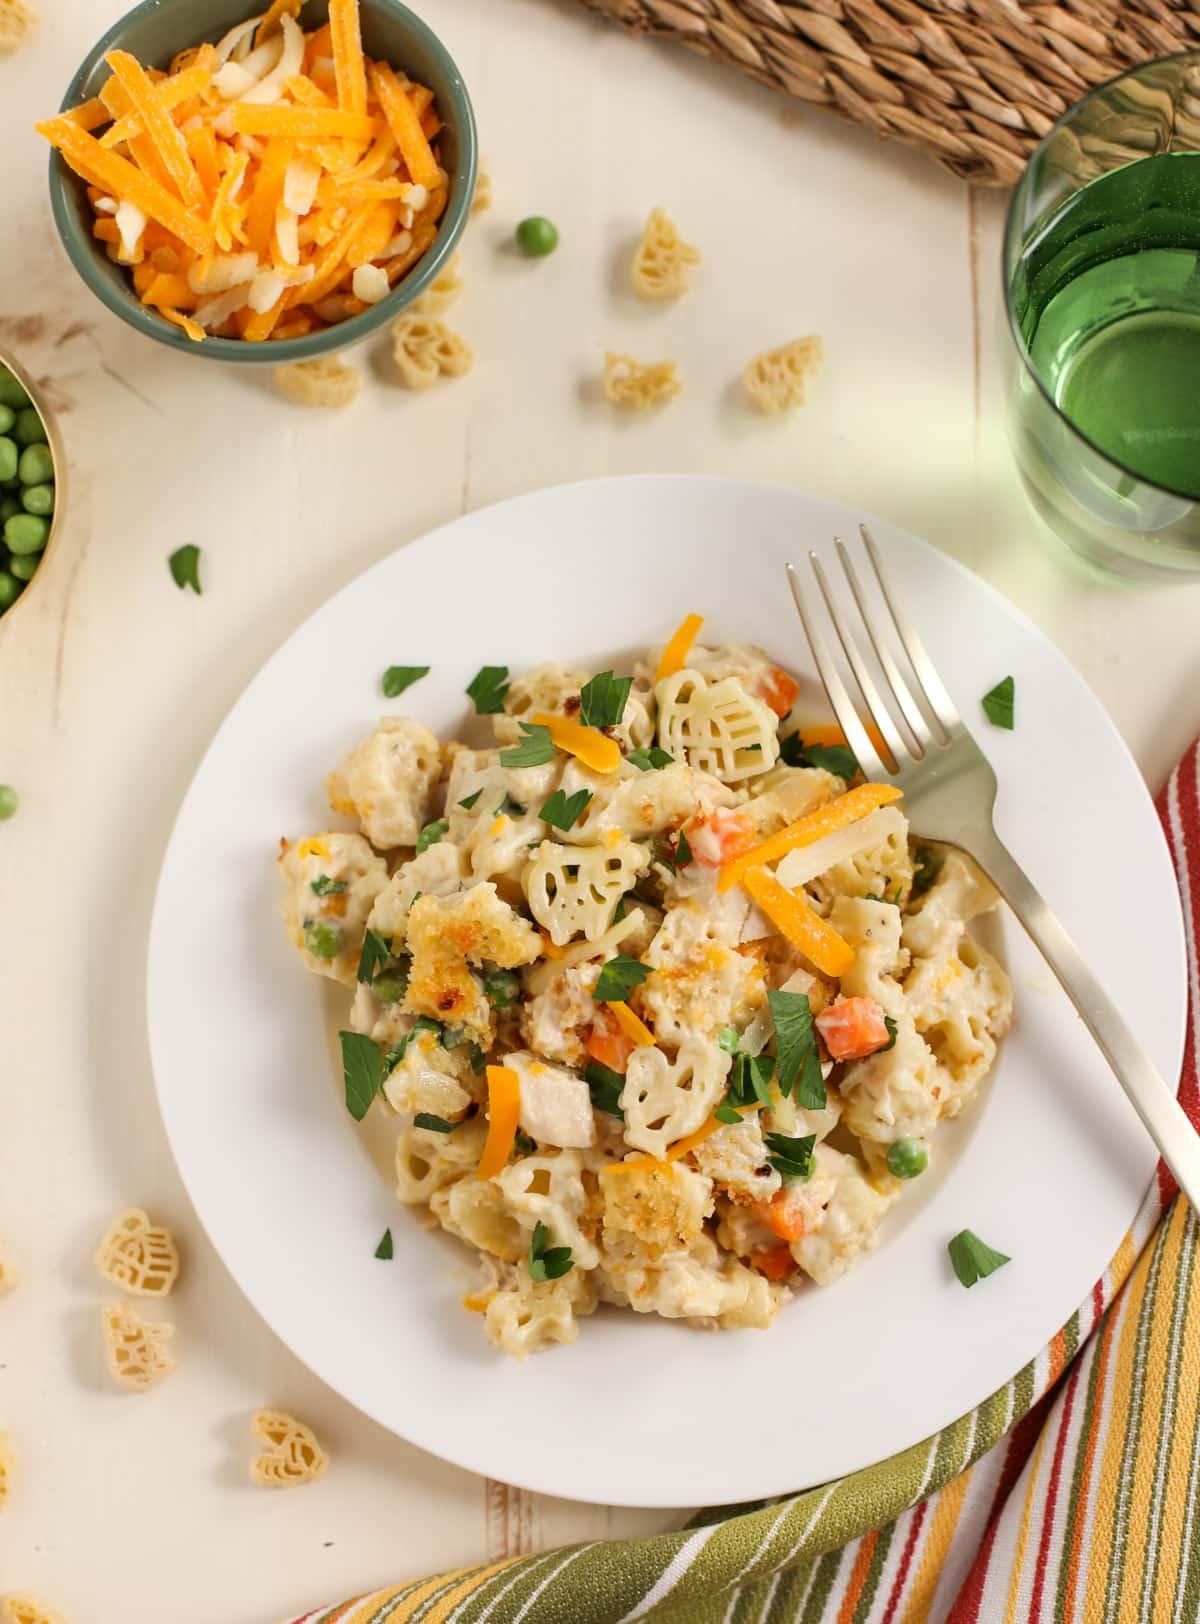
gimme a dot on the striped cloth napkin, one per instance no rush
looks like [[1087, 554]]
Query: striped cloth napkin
[[1073, 1493]]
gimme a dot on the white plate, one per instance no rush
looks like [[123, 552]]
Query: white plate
[[1048, 1166]]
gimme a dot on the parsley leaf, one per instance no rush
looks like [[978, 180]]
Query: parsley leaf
[[362, 1071], [534, 750], [602, 700], [501, 988], [928, 866], [399, 677], [838, 759], [323, 886], [184, 564], [891, 1027], [998, 704], [605, 1087], [647, 760], [375, 950], [791, 1157], [726, 1113], [488, 689], [510, 808], [728, 1040], [475, 1056], [524, 1142], [972, 1259], [435, 1124], [618, 978], [468, 801], [384, 1249], [547, 1263], [564, 811], [422, 1024], [749, 1078], [431, 834], [674, 855], [796, 1049]]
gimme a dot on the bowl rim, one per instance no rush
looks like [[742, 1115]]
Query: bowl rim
[[55, 441], [275, 352]]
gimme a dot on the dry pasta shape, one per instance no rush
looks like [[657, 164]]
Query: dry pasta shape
[[663, 260], [482, 199], [637, 385], [425, 350], [23, 1608], [8, 1273], [138, 1256], [775, 381], [8, 1466], [292, 1456], [16, 19], [325, 381], [137, 1355], [443, 291]]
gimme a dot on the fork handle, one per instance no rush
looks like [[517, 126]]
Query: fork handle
[[1163, 1116]]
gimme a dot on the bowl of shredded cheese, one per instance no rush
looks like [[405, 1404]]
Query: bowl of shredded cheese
[[268, 187]]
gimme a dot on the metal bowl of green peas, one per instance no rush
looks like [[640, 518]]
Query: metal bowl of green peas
[[31, 476]]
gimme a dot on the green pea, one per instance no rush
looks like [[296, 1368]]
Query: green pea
[[25, 533], [24, 566], [501, 988], [537, 236], [323, 941], [907, 1158], [9, 458], [11, 392], [8, 801], [29, 429], [7, 418], [36, 465], [390, 987], [38, 499], [10, 590], [8, 506]]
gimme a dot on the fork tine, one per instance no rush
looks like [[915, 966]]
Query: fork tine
[[876, 709], [901, 692], [932, 688], [857, 736]]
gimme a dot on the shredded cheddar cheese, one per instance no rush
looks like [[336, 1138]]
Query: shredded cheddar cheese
[[813, 826], [504, 1112], [674, 656], [587, 744], [791, 915], [634, 1029]]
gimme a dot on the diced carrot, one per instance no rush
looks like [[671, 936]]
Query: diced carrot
[[634, 1028], [608, 1044], [790, 914], [837, 814], [155, 119], [775, 1262], [405, 125], [504, 1112], [852, 1028], [721, 836], [674, 656], [587, 744], [783, 1214], [345, 32], [779, 690]]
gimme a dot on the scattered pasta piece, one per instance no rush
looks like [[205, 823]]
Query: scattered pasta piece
[[775, 380], [292, 1455], [16, 19], [483, 190], [637, 385], [323, 382], [27, 1609], [425, 349], [138, 1256], [8, 1273], [442, 291], [663, 260], [8, 1463], [137, 1356]]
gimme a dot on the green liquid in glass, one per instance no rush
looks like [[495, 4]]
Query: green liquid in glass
[[1107, 297]]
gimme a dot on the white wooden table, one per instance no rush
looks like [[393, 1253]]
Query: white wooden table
[[112, 682]]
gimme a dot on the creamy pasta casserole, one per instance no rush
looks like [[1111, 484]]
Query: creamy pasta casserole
[[665, 1003]]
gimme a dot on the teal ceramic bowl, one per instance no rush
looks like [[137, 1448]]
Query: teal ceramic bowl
[[156, 31]]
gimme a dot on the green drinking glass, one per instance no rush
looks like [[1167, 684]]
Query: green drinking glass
[[1102, 284]]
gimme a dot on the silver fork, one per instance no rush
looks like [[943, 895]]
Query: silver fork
[[950, 791]]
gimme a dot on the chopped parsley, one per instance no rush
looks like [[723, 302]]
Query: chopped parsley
[[435, 1124], [602, 700], [726, 1113], [796, 1049], [399, 677], [524, 1142], [323, 886], [376, 950], [674, 854], [422, 1024], [468, 801], [605, 1087], [728, 1040], [184, 564], [384, 1249], [564, 811], [892, 1029], [972, 1259], [488, 689], [998, 705], [837, 759], [362, 1071], [750, 1078], [791, 1157], [547, 1262], [648, 760], [535, 749], [509, 808], [431, 834], [501, 988], [929, 865], [618, 978]]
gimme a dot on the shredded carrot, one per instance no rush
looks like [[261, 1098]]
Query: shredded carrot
[[806, 831], [348, 66], [587, 744], [163, 132], [504, 1113], [632, 1027], [819, 942], [405, 124], [674, 656]]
